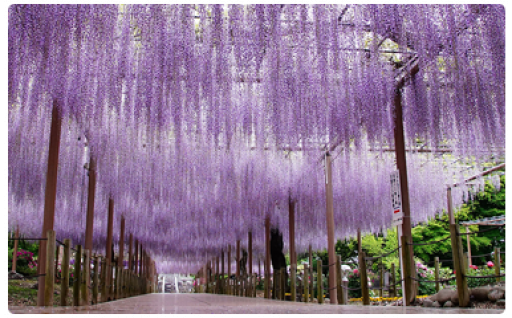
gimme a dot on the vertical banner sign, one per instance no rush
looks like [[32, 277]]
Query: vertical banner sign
[[397, 220]]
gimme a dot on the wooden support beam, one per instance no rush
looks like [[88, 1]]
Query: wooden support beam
[[401, 164], [469, 246], [364, 283], [249, 247], [238, 258], [49, 198], [229, 261], [120, 258], [291, 230], [330, 229], [64, 289], [306, 283], [267, 258], [293, 281], [90, 205], [497, 262]]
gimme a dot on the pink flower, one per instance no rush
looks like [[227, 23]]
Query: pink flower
[[473, 267], [490, 264], [356, 271], [423, 275]]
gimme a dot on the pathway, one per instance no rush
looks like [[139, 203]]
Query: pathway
[[224, 304]]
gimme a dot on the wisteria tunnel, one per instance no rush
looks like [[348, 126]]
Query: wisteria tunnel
[[182, 134]]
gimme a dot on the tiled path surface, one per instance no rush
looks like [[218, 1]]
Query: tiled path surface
[[223, 304]]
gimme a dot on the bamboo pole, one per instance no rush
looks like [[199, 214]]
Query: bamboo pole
[[393, 279], [338, 280], [319, 287], [469, 246], [50, 274], [497, 261], [249, 272], [77, 276], [330, 229], [104, 279], [64, 284], [436, 272], [49, 198], [311, 270], [15, 250], [95, 280], [237, 258], [306, 283], [85, 279]]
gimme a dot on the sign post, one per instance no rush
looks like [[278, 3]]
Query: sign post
[[398, 217]]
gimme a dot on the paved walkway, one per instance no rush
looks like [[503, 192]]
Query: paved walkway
[[223, 304]]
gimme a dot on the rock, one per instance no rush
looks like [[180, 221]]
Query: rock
[[496, 293], [35, 286], [448, 304], [480, 293], [500, 302], [455, 299], [444, 295], [14, 275], [427, 302], [436, 304]]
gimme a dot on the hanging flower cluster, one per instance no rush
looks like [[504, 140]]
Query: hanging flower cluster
[[205, 119]]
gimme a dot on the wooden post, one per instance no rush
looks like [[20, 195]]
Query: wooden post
[[401, 164], [217, 276], [254, 285], [85, 277], [120, 260], [56, 263], [50, 274], [319, 287], [130, 253], [338, 280], [291, 227], [469, 246], [330, 229], [113, 279], [293, 282], [108, 246], [90, 205], [77, 276], [223, 287], [407, 264], [64, 283], [136, 258], [381, 279], [306, 284], [49, 199], [393, 279], [95, 281], [465, 260], [15, 250], [497, 261], [311, 271], [237, 258], [364, 281], [267, 259], [104, 279], [436, 272], [460, 271], [249, 247]]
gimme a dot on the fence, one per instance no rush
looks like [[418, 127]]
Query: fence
[[114, 282]]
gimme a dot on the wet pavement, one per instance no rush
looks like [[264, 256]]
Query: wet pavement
[[224, 304]]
